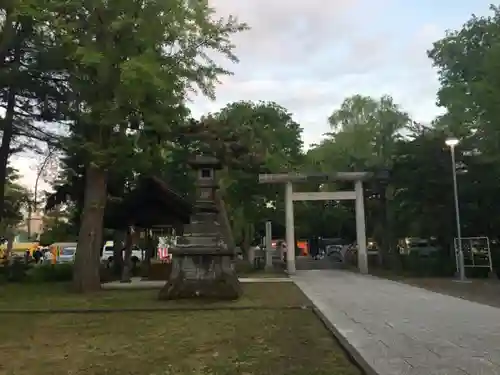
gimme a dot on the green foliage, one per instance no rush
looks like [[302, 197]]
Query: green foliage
[[133, 66], [468, 63], [17, 198], [440, 264], [51, 273], [265, 138], [366, 129], [58, 231], [31, 92], [15, 272], [19, 271]]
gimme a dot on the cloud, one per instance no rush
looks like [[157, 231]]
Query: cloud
[[297, 32], [27, 164]]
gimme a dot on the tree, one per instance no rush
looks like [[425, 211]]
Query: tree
[[57, 230], [467, 62], [273, 140], [367, 132], [130, 64], [16, 201], [46, 170], [30, 93]]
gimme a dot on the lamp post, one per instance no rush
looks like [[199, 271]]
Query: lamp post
[[451, 143]]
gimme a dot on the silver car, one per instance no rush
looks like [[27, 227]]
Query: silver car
[[67, 255]]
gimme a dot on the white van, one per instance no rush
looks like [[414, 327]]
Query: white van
[[107, 253]]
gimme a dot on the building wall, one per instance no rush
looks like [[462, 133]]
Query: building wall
[[36, 224]]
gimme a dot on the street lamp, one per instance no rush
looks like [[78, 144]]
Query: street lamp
[[451, 143]]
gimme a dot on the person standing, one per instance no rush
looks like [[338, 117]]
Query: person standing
[[37, 255]]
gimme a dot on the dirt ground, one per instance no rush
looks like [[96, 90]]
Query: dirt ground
[[485, 291]]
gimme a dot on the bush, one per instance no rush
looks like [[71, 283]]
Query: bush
[[52, 273], [15, 272], [495, 259], [49, 273], [436, 264]]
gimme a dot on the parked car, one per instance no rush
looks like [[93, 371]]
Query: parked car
[[420, 246], [54, 252], [107, 254], [67, 255], [340, 251], [336, 252]]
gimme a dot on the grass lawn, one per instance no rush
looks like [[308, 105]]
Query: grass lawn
[[57, 296], [249, 342]]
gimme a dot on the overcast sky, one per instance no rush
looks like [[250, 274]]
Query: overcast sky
[[309, 55]]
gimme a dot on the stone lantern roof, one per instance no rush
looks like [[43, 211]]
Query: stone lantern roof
[[205, 161]]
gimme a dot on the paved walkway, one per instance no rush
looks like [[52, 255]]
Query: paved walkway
[[137, 283], [396, 329]]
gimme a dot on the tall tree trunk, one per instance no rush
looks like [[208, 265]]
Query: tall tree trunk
[[246, 245], [8, 132], [10, 243], [395, 258], [118, 243], [129, 242], [146, 264], [86, 275], [9, 32]]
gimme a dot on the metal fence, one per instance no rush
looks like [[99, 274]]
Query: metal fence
[[477, 252]]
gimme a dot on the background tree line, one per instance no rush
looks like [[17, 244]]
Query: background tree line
[[106, 83]]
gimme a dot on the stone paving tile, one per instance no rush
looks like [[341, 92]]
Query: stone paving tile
[[400, 329]]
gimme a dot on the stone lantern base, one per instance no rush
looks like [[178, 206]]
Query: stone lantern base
[[203, 277]]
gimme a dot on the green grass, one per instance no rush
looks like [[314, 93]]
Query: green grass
[[58, 296], [215, 342], [222, 342]]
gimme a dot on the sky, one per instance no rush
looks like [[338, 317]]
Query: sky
[[309, 55]]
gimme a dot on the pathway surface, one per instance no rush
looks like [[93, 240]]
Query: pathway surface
[[397, 329], [137, 283]]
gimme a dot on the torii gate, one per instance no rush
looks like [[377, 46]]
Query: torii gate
[[290, 196]]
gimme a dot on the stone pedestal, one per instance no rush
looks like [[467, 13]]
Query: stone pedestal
[[202, 276], [202, 263]]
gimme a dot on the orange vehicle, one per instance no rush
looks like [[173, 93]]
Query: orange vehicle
[[303, 245], [20, 248], [55, 249]]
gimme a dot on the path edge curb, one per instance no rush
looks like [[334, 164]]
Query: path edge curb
[[350, 349]]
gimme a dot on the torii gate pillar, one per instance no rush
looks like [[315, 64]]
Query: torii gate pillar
[[290, 228]]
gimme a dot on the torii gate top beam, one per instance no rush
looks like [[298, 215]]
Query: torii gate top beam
[[280, 178]]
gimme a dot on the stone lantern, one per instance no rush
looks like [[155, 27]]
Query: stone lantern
[[202, 262], [206, 182]]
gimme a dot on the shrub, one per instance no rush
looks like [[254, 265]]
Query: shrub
[[47, 273], [436, 264], [16, 271], [52, 273]]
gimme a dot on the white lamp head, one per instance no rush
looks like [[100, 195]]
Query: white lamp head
[[452, 142]]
